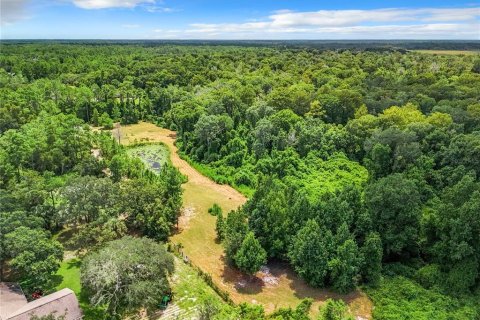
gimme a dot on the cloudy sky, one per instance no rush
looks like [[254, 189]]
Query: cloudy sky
[[237, 19]]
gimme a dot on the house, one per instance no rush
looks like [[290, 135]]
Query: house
[[14, 304]]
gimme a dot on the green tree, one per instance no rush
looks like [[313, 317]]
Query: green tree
[[9, 221], [152, 202], [85, 198], [301, 312], [35, 257], [394, 204], [250, 256], [215, 210], [220, 226], [116, 115], [310, 252], [372, 252], [105, 121], [95, 117], [127, 274], [334, 310], [344, 267], [236, 228]]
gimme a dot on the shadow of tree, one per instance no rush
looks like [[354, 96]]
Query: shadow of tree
[[303, 290], [74, 263], [65, 238], [243, 283], [54, 282]]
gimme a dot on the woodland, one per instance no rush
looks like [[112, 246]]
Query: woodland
[[361, 168]]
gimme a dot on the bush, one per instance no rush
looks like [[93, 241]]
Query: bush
[[215, 210], [402, 298], [244, 177], [462, 276], [428, 276], [105, 121]]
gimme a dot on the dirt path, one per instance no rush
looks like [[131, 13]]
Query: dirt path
[[198, 238], [149, 132], [194, 177]]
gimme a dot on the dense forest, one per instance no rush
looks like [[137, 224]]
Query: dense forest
[[362, 167]]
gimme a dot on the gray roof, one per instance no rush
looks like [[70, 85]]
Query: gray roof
[[11, 299], [60, 303]]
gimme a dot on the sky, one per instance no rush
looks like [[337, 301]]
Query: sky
[[239, 19]]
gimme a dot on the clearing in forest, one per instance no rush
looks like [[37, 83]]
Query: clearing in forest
[[450, 52], [276, 285]]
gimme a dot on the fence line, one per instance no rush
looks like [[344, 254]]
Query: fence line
[[177, 249]]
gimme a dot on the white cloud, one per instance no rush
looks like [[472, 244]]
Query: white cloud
[[351, 17], [148, 5], [457, 23], [13, 10], [154, 9], [103, 4]]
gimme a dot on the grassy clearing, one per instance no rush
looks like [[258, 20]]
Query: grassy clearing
[[449, 52], [69, 273], [142, 132], [197, 235]]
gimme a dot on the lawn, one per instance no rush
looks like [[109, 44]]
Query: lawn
[[197, 235], [69, 273], [68, 276]]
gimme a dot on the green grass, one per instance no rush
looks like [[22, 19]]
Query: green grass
[[68, 276], [69, 273], [190, 290]]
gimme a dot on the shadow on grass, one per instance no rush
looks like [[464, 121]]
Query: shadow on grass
[[243, 283], [303, 290], [74, 263], [65, 236]]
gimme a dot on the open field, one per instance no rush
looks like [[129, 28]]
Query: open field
[[197, 235], [449, 52]]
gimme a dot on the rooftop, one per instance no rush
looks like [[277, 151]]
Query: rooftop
[[14, 305], [11, 298]]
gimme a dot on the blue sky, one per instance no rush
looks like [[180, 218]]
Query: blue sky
[[236, 19]]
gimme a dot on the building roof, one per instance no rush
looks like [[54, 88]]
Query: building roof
[[11, 298], [61, 303]]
